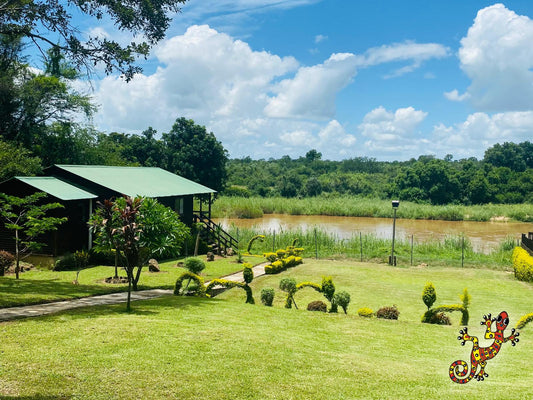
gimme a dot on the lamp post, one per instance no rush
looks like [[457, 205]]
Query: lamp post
[[395, 205]]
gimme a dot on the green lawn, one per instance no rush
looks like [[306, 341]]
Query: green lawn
[[192, 348], [39, 286]]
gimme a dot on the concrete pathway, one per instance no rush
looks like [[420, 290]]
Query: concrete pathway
[[36, 310]]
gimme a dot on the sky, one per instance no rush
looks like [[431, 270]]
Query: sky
[[386, 79]]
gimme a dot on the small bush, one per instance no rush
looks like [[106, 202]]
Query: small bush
[[429, 295], [317, 306], [289, 285], [274, 268], [82, 259], [342, 299], [522, 265], [194, 265], [271, 257], [65, 263], [440, 319], [267, 296], [6, 259], [388, 313], [248, 273], [365, 312]]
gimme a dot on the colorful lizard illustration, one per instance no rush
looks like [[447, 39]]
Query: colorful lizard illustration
[[480, 355]]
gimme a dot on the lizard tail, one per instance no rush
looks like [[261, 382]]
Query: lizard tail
[[459, 372]]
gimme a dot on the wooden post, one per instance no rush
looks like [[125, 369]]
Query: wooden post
[[316, 246], [361, 243], [412, 240], [210, 200], [274, 241], [463, 252]]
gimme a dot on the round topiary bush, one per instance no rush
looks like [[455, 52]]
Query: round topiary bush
[[317, 306], [267, 296], [388, 313], [342, 299], [194, 265]]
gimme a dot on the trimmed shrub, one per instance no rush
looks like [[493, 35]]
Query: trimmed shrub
[[429, 295], [317, 306], [526, 319], [388, 312], [270, 256], [6, 259], [365, 312], [289, 285], [194, 265], [267, 296], [248, 273], [312, 285], [342, 299], [274, 268], [231, 284], [429, 316], [81, 258], [261, 238], [198, 289], [328, 288], [522, 265]]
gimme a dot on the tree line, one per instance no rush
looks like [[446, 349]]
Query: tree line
[[504, 175]]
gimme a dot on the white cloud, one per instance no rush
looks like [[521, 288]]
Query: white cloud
[[455, 96], [392, 133], [257, 103], [311, 93], [480, 131], [497, 56], [320, 38]]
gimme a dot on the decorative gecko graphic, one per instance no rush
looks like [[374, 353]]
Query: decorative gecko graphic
[[480, 355]]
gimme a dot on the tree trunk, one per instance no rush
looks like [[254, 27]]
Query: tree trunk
[[137, 277], [128, 305], [116, 264], [17, 254], [197, 244]]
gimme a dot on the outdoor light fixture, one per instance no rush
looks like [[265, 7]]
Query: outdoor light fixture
[[395, 205]]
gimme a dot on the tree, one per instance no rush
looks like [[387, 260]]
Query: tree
[[15, 160], [195, 154], [137, 229], [30, 101], [48, 24], [26, 216]]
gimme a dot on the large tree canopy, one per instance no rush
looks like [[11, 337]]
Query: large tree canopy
[[50, 23]]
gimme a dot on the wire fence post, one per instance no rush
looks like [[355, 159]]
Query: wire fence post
[[316, 246], [361, 244], [273, 241], [412, 241], [463, 252]]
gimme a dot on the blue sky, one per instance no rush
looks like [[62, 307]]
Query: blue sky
[[385, 79]]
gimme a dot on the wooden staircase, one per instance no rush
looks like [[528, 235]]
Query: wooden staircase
[[217, 238]]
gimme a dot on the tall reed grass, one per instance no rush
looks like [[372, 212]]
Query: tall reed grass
[[255, 207], [451, 251]]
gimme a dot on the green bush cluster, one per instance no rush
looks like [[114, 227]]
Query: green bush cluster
[[342, 299], [6, 259], [522, 265], [267, 296], [194, 265], [283, 259], [437, 315], [388, 312], [365, 312], [526, 319]]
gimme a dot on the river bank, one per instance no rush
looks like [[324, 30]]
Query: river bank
[[256, 207]]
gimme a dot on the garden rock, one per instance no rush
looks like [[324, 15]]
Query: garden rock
[[153, 265]]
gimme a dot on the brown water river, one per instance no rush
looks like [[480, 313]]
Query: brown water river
[[483, 235]]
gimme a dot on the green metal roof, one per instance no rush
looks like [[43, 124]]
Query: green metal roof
[[56, 187], [138, 181]]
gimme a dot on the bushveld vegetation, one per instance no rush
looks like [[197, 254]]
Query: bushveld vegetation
[[504, 175]]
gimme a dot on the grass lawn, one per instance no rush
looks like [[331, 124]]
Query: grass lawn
[[192, 348], [40, 286]]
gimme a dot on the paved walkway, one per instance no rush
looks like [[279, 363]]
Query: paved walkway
[[36, 310]]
